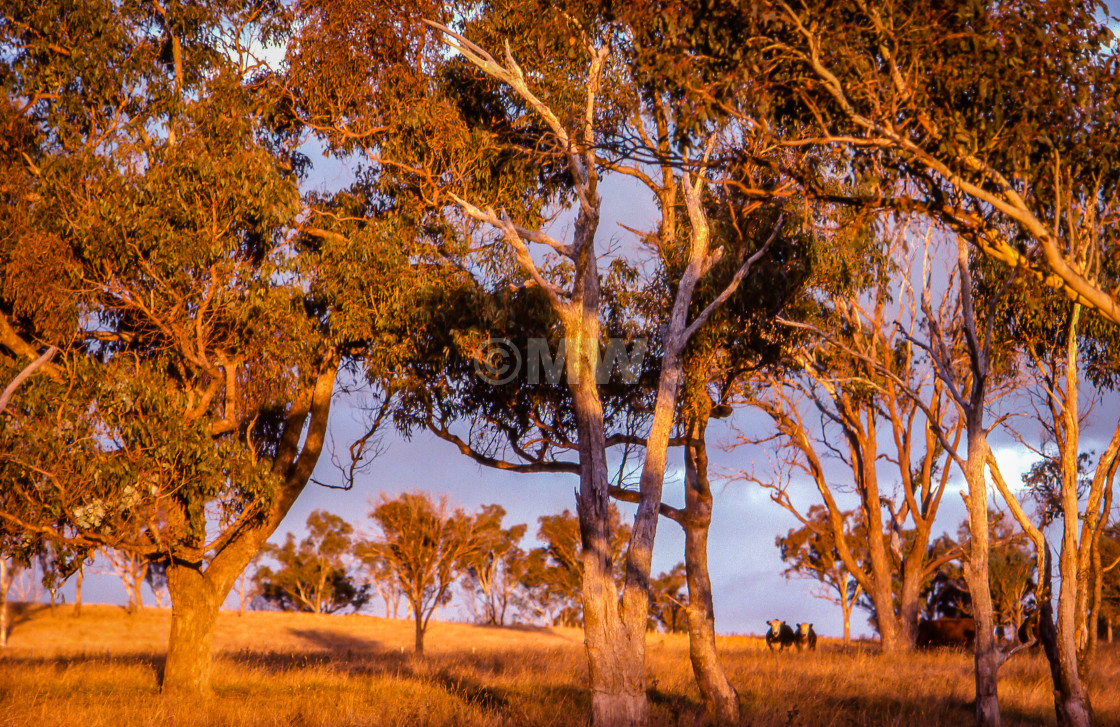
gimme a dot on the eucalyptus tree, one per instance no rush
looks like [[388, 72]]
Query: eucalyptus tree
[[810, 552], [1001, 117], [315, 575], [530, 130], [492, 583], [427, 545], [858, 382], [997, 120], [1060, 349], [155, 235]]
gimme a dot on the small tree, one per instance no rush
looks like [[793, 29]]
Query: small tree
[[668, 606], [811, 553], [380, 575], [1011, 571], [314, 575], [555, 570], [132, 569], [492, 582], [427, 545]]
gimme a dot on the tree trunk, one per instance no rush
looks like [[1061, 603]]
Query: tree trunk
[[914, 565], [4, 583], [616, 658], [720, 699], [1071, 700], [137, 586], [78, 594], [863, 447], [194, 613], [847, 622], [986, 656], [419, 643]]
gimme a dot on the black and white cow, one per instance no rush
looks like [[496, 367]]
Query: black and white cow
[[806, 636], [781, 634]]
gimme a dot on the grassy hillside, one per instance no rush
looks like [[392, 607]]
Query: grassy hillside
[[300, 669]]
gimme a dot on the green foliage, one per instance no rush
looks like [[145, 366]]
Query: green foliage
[[996, 119], [555, 573], [1044, 485], [314, 575], [668, 606], [1011, 574], [152, 202], [810, 552]]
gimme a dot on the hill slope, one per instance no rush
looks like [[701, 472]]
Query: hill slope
[[301, 669]]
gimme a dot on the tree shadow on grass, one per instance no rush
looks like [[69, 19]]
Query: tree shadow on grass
[[21, 612], [61, 663], [856, 709], [338, 643], [675, 703], [488, 699]]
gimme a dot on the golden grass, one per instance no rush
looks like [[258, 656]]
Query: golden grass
[[301, 669]]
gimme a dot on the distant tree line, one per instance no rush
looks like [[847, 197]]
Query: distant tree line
[[425, 552]]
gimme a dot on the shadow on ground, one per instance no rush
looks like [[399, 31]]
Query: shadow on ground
[[336, 642]]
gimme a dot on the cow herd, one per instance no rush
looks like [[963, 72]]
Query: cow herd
[[781, 634], [931, 633]]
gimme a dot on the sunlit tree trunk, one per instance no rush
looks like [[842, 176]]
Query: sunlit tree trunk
[[5, 583], [616, 655], [1071, 699], [194, 613], [986, 656], [78, 593], [720, 698]]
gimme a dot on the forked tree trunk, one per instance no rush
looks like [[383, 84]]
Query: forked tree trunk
[[1051, 641], [721, 701], [616, 657], [1071, 698], [863, 446], [197, 592]]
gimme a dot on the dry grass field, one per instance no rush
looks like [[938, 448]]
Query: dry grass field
[[297, 669]]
